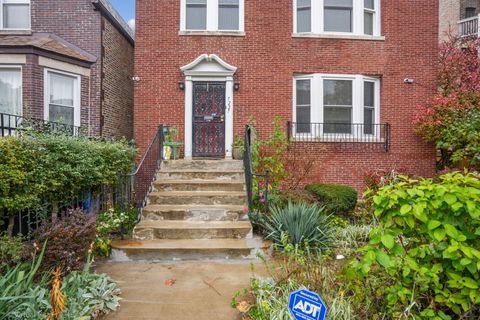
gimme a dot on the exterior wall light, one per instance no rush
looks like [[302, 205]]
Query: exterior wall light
[[236, 86], [408, 81], [181, 85]]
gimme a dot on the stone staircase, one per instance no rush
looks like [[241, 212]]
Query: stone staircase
[[195, 211]]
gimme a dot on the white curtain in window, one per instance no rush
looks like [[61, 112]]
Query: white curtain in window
[[61, 89], [11, 91]]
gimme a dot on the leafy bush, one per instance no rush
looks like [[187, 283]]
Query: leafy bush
[[300, 225], [69, 240], [38, 168], [20, 296], [426, 248], [11, 251], [337, 199], [111, 223], [89, 295]]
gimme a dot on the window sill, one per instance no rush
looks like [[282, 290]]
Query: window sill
[[338, 36], [213, 33], [13, 32]]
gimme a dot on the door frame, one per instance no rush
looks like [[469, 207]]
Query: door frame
[[209, 68], [224, 124]]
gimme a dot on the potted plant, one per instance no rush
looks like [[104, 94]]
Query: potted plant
[[238, 148], [170, 144]]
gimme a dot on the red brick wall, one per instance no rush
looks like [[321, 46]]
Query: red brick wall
[[268, 57], [117, 83]]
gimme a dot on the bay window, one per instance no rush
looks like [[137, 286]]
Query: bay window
[[62, 98], [11, 90], [337, 17], [15, 14], [212, 15], [338, 105]]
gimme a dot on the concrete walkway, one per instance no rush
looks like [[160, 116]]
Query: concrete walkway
[[202, 289]]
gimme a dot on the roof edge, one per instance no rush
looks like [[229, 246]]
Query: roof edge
[[111, 14]]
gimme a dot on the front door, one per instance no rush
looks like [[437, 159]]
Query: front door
[[209, 119]]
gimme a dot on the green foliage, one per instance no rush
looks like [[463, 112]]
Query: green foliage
[[113, 222], [337, 199], [426, 248], [69, 240], [305, 226], [89, 295], [11, 251], [20, 296], [38, 168]]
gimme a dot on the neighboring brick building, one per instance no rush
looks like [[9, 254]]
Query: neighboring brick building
[[206, 66], [68, 61], [459, 17]]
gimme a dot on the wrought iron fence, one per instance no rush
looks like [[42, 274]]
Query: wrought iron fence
[[11, 124], [340, 133], [250, 175]]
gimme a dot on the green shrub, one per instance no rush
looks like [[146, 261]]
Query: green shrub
[[11, 251], [69, 240], [337, 199], [426, 247], [300, 225]]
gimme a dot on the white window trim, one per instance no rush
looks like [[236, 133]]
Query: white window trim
[[317, 105], [212, 19], [76, 95], [20, 68], [2, 2], [317, 25]]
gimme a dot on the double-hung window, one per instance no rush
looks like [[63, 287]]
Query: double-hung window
[[337, 17], [336, 105], [15, 14], [62, 98], [212, 15], [11, 90]]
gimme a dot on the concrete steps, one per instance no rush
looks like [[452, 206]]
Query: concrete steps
[[182, 249], [191, 212], [197, 210], [153, 230]]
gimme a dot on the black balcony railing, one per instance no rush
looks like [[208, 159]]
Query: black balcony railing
[[340, 133], [11, 125]]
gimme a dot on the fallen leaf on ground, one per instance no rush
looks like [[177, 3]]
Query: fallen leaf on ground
[[170, 282], [243, 307]]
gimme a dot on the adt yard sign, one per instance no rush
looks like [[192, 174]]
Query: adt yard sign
[[306, 305]]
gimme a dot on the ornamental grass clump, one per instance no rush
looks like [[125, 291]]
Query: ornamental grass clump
[[303, 225]]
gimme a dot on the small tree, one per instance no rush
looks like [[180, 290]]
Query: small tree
[[452, 119]]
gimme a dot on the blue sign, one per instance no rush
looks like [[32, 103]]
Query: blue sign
[[306, 305]]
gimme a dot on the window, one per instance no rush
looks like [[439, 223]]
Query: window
[[338, 15], [470, 12], [344, 17], [212, 15], [11, 90], [304, 15], [15, 14], [336, 105], [62, 92]]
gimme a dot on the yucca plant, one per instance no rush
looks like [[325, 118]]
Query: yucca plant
[[306, 226]]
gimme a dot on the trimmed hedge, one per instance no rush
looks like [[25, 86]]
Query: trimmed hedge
[[337, 199]]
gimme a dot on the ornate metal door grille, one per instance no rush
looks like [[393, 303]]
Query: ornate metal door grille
[[209, 119]]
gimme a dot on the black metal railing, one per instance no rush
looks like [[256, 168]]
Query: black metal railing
[[141, 180], [340, 133], [11, 125], [250, 175]]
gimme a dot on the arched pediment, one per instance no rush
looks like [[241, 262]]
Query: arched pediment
[[208, 65]]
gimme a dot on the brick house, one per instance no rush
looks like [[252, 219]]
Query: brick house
[[459, 17], [68, 61], [344, 75]]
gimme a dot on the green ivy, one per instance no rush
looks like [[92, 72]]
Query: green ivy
[[427, 245]]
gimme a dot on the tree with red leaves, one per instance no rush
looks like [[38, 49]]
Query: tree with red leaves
[[452, 119]]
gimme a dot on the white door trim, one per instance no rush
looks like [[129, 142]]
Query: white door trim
[[208, 68]]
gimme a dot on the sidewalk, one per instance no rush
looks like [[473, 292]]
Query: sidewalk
[[202, 289]]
